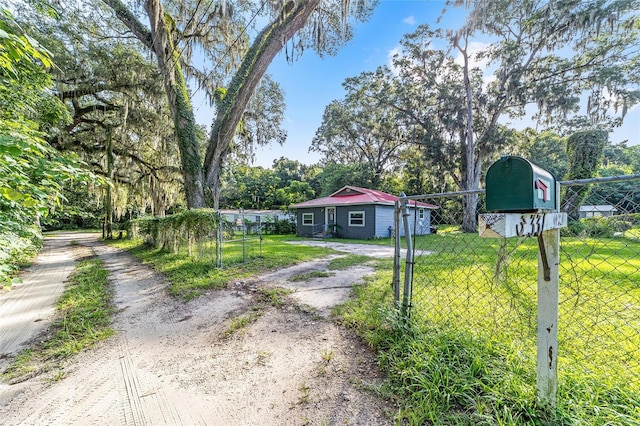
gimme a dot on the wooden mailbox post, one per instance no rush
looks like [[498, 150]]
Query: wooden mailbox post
[[525, 203]]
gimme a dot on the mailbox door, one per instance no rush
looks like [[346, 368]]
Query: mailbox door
[[544, 186]]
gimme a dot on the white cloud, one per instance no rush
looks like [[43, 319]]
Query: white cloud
[[409, 20], [390, 54]]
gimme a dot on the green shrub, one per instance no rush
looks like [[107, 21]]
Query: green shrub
[[598, 227], [601, 227], [17, 246], [185, 229]]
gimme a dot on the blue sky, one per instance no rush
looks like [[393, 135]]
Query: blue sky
[[311, 83]]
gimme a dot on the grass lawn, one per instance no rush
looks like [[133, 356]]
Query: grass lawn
[[190, 276], [467, 355]]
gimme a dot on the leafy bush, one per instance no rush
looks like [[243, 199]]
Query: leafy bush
[[601, 227], [598, 227], [279, 226], [19, 243]]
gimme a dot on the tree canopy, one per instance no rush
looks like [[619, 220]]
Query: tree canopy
[[121, 97], [32, 173]]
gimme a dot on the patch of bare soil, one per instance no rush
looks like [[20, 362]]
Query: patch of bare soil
[[27, 310], [179, 364]]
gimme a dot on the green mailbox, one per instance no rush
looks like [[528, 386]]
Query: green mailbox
[[514, 184]]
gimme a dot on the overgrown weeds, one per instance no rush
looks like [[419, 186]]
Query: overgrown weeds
[[275, 296], [346, 262], [467, 353], [239, 323]]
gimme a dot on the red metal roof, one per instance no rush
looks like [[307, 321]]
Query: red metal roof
[[352, 195]]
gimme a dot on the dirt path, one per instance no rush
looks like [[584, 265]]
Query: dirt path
[[29, 307], [172, 363]]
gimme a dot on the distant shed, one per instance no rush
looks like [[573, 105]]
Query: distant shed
[[595, 211]]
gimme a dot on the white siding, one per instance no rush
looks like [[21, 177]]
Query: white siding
[[384, 219]]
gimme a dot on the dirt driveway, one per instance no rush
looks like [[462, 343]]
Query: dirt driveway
[[28, 309], [362, 249], [173, 363]]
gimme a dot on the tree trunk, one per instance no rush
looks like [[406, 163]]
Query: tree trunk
[[179, 103], [293, 16], [269, 42], [471, 179], [108, 204]]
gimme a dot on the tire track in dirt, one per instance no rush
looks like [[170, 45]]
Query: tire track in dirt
[[169, 363], [133, 410], [145, 322], [29, 307]]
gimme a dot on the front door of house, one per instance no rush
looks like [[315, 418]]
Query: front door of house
[[329, 218]]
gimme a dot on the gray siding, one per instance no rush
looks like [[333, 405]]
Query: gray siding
[[318, 220], [422, 226], [359, 232], [377, 220]]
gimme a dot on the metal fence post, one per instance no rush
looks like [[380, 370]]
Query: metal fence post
[[396, 257], [219, 240], [260, 233], [408, 270], [244, 232]]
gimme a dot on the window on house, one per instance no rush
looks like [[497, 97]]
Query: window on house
[[307, 219], [421, 213], [356, 218]]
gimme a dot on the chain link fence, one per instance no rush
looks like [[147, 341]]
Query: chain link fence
[[240, 239], [599, 311], [226, 238], [487, 287]]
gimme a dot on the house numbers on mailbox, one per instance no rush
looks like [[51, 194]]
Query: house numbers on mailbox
[[506, 225], [523, 201], [530, 227]]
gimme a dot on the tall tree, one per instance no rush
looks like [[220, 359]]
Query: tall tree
[[32, 174], [119, 113], [251, 188], [546, 54], [362, 128], [288, 170], [546, 149], [584, 152], [160, 39], [334, 176], [288, 18], [433, 94]]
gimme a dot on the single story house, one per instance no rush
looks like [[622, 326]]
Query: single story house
[[600, 210], [353, 212]]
